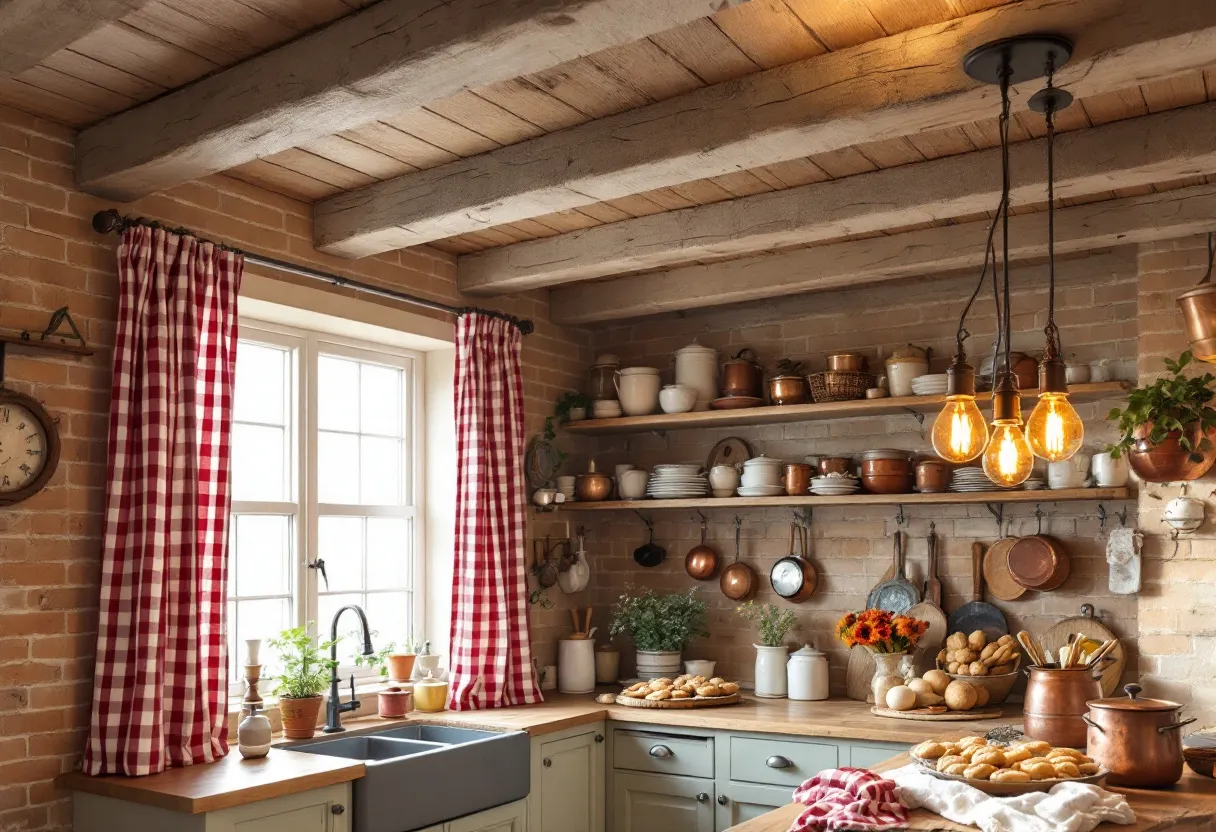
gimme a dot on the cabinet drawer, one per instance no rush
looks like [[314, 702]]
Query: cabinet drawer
[[778, 762], [864, 756], [663, 753]]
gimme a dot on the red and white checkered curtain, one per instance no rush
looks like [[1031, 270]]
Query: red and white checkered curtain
[[160, 688], [491, 651]]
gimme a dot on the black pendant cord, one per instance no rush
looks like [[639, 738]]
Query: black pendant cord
[[1051, 330], [1003, 308], [112, 222]]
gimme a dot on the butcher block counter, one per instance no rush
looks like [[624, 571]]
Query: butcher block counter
[[234, 781], [1190, 806]]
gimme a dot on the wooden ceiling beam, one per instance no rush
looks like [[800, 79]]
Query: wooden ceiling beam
[[1159, 148], [382, 61], [33, 30], [895, 86], [949, 248]]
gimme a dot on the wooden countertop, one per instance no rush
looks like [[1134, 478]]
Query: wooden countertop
[[1189, 806], [234, 781]]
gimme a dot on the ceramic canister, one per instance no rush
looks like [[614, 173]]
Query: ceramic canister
[[638, 390], [697, 367], [770, 671], [762, 470], [807, 674], [576, 665], [1110, 472], [254, 734]]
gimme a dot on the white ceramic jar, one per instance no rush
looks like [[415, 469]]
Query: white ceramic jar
[[807, 674], [697, 367], [724, 478], [677, 398], [1110, 472], [576, 665], [631, 485], [901, 371], [770, 671], [762, 471], [1069, 473], [638, 390]]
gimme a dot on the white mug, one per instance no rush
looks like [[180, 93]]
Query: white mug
[[1110, 472]]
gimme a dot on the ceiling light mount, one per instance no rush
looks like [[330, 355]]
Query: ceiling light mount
[[1018, 59]]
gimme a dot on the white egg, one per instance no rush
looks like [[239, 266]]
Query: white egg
[[901, 698]]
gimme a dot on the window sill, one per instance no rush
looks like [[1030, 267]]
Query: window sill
[[365, 693]]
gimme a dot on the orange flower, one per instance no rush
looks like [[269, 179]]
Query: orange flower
[[905, 627], [863, 634], [882, 632]]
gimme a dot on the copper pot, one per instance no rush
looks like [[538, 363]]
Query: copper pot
[[701, 562], [783, 390], [593, 486], [887, 476], [1055, 701], [738, 580], [743, 375], [1199, 317], [1137, 740], [797, 479], [1039, 562], [1167, 461], [834, 465], [846, 362], [933, 476]]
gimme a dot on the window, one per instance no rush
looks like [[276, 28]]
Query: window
[[324, 510]]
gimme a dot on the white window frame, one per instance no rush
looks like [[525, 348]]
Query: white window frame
[[306, 347]]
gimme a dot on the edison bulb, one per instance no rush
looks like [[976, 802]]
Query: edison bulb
[[959, 432], [1054, 429], [1007, 459]]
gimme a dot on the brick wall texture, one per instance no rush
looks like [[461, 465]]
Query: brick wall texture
[[50, 544]]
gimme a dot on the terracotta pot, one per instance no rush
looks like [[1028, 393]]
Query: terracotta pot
[[300, 716], [394, 703], [1055, 700], [1167, 461], [400, 666], [1137, 740]]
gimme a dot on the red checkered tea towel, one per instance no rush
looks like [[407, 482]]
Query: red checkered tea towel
[[849, 798]]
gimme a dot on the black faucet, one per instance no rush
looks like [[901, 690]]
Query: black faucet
[[335, 707]]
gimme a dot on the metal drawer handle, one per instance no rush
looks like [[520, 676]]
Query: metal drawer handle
[[702, 798], [337, 809], [547, 763], [723, 800], [661, 751], [777, 761]]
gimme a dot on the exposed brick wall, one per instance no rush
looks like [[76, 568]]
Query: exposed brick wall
[[852, 546], [1176, 607], [50, 544]]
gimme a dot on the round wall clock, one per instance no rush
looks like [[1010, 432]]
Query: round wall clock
[[29, 447]]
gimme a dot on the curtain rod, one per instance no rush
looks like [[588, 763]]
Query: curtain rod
[[112, 222]]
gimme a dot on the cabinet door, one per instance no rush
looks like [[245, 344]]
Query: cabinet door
[[319, 810], [737, 803], [513, 817], [571, 785], [661, 803]]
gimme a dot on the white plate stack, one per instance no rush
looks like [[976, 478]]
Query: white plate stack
[[605, 409], [974, 479], [835, 485], [677, 482], [930, 385]]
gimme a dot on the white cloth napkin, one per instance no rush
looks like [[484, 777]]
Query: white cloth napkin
[[1123, 555], [1068, 807]]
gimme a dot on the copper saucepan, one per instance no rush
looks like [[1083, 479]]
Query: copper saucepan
[[1136, 739], [701, 562], [1039, 562], [738, 580]]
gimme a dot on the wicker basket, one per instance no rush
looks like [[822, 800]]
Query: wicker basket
[[834, 386]]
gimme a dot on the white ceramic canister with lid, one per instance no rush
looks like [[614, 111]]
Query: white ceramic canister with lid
[[697, 367], [807, 670]]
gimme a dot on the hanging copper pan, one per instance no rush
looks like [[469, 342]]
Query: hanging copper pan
[[1039, 562], [738, 580], [701, 562]]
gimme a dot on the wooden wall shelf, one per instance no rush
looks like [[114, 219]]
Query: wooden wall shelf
[[950, 498], [773, 415]]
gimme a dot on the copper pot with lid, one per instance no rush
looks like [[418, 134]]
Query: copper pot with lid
[[743, 375], [1137, 740]]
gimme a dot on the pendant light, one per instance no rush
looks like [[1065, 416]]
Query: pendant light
[[1008, 459], [1054, 429]]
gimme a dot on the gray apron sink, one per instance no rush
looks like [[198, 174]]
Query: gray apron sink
[[420, 775]]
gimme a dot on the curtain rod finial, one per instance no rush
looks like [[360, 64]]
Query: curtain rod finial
[[526, 327], [107, 222]]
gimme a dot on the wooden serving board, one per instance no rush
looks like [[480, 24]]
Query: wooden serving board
[[924, 715], [675, 704], [1057, 636]]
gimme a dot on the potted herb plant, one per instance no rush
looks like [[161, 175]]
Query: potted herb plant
[[661, 627], [771, 654], [572, 407], [304, 676], [1166, 428]]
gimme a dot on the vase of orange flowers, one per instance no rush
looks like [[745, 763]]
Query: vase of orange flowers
[[890, 637]]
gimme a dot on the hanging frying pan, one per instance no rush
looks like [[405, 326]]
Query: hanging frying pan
[[738, 580], [794, 577], [978, 614], [898, 594], [648, 554]]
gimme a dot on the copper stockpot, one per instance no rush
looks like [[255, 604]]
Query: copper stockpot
[[887, 476], [1137, 740], [846, 362], [783, 390], [933, 476], [743, 375], [797, 478], [1056, 700]]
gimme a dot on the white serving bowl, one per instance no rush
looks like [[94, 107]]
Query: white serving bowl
[[677, 398]]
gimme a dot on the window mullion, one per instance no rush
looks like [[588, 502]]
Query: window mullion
[[308, 482]]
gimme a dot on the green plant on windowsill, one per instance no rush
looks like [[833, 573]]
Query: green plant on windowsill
[[772, 621], [377, 661], [305, 669]]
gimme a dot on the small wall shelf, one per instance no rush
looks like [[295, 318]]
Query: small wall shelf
[[774, 415], [949, 498]]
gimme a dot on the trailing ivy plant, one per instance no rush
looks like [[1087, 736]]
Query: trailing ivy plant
[[305, 667], [772, 621], [1174, 402], [659, 623], [570, 401]]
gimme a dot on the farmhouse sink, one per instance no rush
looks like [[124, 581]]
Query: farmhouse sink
[[420, 775]]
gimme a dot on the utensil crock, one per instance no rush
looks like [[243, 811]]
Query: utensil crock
[[1055, 700]]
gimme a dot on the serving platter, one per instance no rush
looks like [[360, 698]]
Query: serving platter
[[936, 715], [1012, 789], [677, 704]]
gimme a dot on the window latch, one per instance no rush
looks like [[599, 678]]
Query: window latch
[[319, 565]]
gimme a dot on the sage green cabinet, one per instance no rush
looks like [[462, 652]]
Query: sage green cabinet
[[513, 817], [568, 781], [737, 802], [662, 803]]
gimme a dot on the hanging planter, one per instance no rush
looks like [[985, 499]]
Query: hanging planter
[[1199, 311], [1167, 429]]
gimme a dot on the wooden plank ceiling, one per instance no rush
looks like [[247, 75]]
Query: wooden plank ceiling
[[167, 44]]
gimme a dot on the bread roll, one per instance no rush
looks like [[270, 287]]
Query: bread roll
[[960, 696]]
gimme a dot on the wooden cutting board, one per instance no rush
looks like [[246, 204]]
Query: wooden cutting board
[[925, 657], [860, 673], [949, 716], [677, 704], [1085, 623], [996, 571]]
